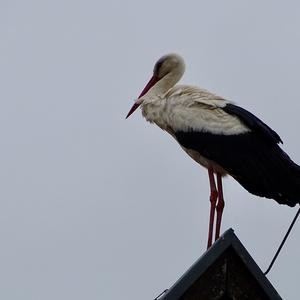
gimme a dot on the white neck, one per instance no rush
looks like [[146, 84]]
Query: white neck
[[167, 82]]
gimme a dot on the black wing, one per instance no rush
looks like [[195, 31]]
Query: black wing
[[261, 167], [253, 122]]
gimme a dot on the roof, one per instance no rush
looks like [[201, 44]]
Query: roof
[[225, 271]]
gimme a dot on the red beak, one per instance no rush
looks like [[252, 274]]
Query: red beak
[[137, 103]]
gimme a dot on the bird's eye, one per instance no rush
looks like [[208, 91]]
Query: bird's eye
[[157, 67]]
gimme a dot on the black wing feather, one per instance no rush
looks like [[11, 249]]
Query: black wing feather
[[262, 168], [253, 122]]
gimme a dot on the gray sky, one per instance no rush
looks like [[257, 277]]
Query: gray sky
[[96, 207]]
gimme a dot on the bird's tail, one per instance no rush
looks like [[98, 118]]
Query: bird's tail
[[272, 175], [286, 184]]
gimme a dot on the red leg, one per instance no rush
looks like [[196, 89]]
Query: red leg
[[213, 201], [220, 206]]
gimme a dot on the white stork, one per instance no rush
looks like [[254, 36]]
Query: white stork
[[222, 137]]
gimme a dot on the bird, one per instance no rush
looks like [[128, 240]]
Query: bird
[[221, 136]]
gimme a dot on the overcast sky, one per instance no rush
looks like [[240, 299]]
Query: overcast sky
[[96, 207]]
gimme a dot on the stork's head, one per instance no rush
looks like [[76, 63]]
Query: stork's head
[[166, 73], [167, 64]]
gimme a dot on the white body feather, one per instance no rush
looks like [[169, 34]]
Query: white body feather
[[185, 108]]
